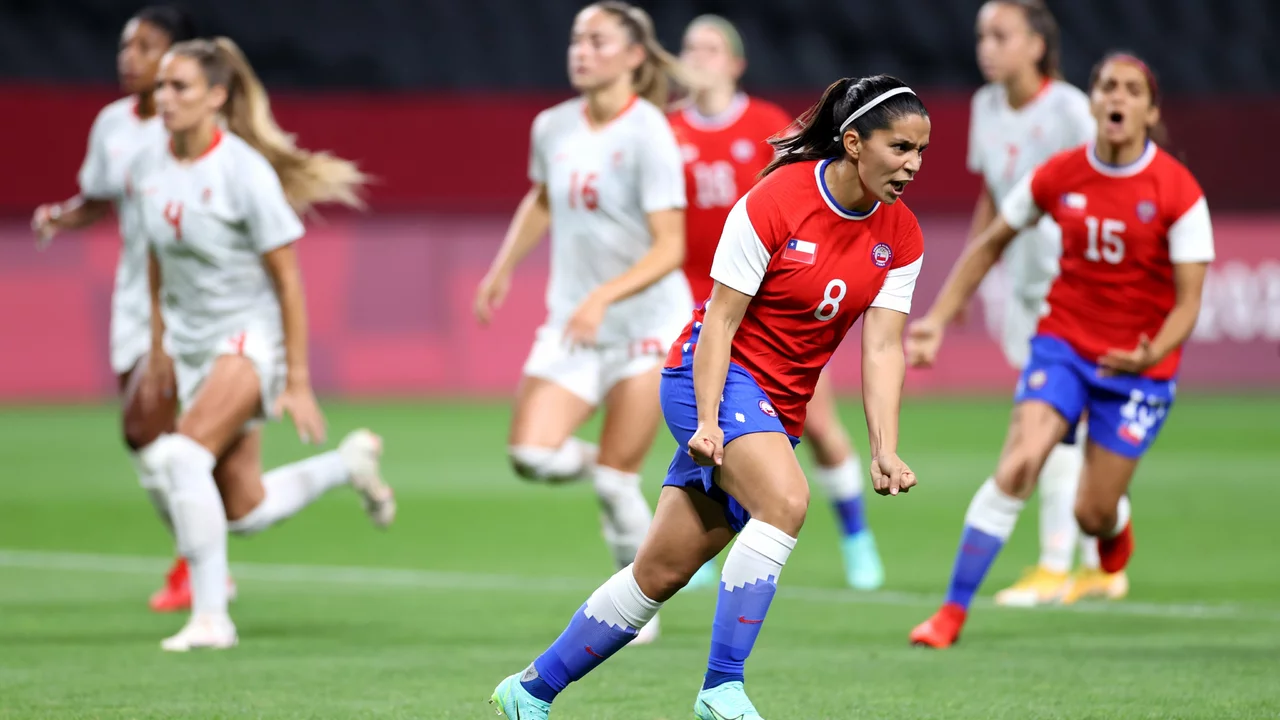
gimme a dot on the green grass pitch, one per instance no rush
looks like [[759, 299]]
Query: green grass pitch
[[480, 572]]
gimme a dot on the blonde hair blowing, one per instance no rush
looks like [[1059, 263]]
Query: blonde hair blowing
[[652, 80], [308, 178]]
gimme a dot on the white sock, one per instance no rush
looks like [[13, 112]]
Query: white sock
[[619, 602], [624, 512], [1089, 552], [759, 554], [151, 478], [291, 488], [199, 521], [992, 511], [1123, 512], [1059, 531], [567, 463], [842, 482]]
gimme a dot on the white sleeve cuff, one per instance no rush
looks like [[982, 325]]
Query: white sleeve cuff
[[1019, 208], [899, 287], [1191, 236], [741, 257]]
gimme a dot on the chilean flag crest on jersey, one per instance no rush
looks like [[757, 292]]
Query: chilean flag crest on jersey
[[800, 251]]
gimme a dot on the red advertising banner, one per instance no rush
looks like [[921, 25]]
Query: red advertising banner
[[390, 303], [468, 151]]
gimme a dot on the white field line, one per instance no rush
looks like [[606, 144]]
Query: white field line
[[438, 580]]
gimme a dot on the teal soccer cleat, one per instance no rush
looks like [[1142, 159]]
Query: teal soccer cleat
[[708, 576], [511, 699], [725, 702], [862, 565]]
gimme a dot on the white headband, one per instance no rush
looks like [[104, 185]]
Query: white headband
[[863, 110]]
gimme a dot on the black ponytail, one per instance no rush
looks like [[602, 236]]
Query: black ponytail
[[820, 136]]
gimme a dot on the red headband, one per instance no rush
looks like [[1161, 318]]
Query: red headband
[[1146, 71]]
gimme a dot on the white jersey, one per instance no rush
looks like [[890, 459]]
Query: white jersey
[[116, 137], [209, 221], [1005, 144], [601, 184]]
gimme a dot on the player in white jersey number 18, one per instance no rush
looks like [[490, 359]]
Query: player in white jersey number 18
[[221, 222], [608, 182]]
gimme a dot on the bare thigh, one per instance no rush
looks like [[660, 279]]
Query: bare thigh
[[239, 475], [227, 399], [1034, 429], [546, 414], [631, 418], [761, 471], [688, 529], [146, 411], [826, 436], [1105, 480]]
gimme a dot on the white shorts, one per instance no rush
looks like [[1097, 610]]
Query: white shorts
[[1021, 317], [264, 349], [590, 373], [130, 340]]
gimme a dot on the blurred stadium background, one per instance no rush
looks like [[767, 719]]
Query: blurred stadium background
[[435, 100]]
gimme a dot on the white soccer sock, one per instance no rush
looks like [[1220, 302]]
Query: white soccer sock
[[150, 476], [199, 521], [567, 463], [1123, 512], [992, 511], [624, 512], [759, 553], [1089, 552], [291, 488], [842, 482], [620, 602], [1059, 531]]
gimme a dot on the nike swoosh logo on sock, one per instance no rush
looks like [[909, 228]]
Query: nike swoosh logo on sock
[[743, 619]]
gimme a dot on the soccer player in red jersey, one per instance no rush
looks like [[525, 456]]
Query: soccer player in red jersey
[[1136, 243], [723, 134], [821, 241]]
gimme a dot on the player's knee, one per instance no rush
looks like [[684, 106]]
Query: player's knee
[[1093, 518], [787, 510], [660, 581], [530, 462], [828, 442]]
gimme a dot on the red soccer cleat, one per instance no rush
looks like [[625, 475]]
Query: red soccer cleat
[[942, 630], [1114, 552], [175, 596]]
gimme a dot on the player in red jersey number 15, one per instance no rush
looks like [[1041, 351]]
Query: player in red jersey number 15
[[1136, 242], [820, 242]]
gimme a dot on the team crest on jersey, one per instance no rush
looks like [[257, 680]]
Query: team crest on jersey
[[767, 409], [206, 195], [881, 255], [1146, 211], [690, 153], [618, 157], [742, 150]]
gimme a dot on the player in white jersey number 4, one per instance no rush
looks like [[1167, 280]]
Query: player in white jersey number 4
[[1022, 117], [608, 181], [221, 222]]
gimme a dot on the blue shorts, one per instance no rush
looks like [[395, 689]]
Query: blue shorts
[[1126, 412], [744, 409]]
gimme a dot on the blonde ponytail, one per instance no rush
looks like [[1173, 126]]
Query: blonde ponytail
[[308, 178], [653, 79]]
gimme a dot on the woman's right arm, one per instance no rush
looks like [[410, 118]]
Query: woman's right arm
[[725, 311], [528, 226], [984, 212]]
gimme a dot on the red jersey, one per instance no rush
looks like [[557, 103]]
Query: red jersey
[[722, 157], [1123, 229], [812, 269]]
